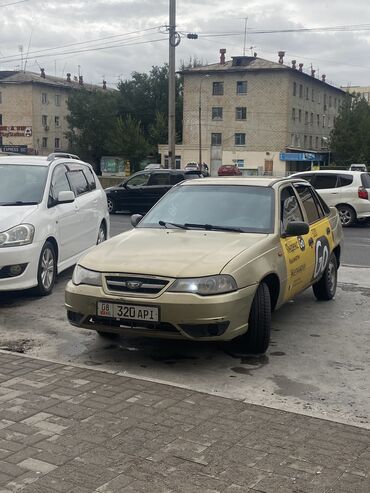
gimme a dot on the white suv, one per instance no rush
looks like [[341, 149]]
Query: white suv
[[51, 211], [348, 191]]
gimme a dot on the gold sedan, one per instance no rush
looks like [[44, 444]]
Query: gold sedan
[[210, 261]]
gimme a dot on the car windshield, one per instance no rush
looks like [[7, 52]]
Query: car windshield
[[22, 184], [229, 207]]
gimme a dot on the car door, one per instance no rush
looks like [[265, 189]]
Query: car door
[[65, 215], [296, 252], [328, 186], [158, 185], [319, 243], [134, 196]]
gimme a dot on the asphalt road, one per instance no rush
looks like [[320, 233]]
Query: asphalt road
[[316, 364]]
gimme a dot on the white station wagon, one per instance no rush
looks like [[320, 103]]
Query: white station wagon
[[51, 211]]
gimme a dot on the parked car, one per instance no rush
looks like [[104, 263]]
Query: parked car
[[51, 211], [153, 166], [143, 189], [358, 167], [348, 191], [202, 265], [229, 170]]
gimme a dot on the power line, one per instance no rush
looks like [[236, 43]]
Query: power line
[[13, 3]]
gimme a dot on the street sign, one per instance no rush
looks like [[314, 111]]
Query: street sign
[[15, 149], [15, 131], [300, 156]]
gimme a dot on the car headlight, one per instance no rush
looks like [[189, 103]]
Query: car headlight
[[86, 276], [222, 283], [17, 236]]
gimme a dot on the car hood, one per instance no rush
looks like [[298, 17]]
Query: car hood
[[169, 252], [11, 216]]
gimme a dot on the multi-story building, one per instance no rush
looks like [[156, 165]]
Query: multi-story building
[[266, 117], [33, 111], [364, 91]]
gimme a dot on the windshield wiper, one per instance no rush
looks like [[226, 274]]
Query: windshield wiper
[[164, 223], [212, 227], [19, 202]]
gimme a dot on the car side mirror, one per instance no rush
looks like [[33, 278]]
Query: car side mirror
[[135, 219], [297, 228], [66, 197]]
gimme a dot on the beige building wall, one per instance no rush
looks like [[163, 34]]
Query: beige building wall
[[16, 110]]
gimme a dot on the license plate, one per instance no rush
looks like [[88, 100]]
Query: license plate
[[128, 312]]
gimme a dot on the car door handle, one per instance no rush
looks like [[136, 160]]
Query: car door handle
[[328, 231], [310, 241]]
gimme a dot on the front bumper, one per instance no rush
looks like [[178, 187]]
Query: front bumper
[[182, 315], [26, 254]]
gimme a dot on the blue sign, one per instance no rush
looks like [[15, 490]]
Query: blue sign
[[300, 156]]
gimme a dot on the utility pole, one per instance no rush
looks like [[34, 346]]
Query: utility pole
[[173, 41]]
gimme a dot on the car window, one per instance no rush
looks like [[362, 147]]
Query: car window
[[59, 182], [322, 182], [308, 202], [304, 177], [176, 178], [138, 180], [159, 179], [345, 180], [90, 177], [365, 180], [289, 209], [78, 182], [321, 204]]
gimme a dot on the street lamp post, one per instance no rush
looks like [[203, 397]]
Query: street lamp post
[[200, 119]]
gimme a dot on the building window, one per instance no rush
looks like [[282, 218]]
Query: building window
[[330, 102], [239, 163], [44, 142], [57, 100], [318, 120], [216, 139], [293, 114], [311, 121], [1, 121], [323, 121], [328, 120], [307, 93], [310, 141], [218, 89], [292, 140], [57, 143], [177, 162], [241, 113], [306, 118], [299, 115], [335, 103], [317, 142], [57, 121], [300, 91], [44, 120], [294, 89], [239, 139], [241, 87], [325, 102], [305, 141], [312, 95], [44, 98], [1, 97], [217, 113]]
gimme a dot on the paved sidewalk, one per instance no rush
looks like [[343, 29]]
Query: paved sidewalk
[[71, 429]]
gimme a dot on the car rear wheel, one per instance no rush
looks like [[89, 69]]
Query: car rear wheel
[[325, 289], [111, 206], [347, 215], [257, 338], [47, 270], [102, 235]]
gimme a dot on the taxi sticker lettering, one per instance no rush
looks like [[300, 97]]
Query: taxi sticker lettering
[[321, 255]]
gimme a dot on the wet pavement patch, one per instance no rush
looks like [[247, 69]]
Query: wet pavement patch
[[20, 346], [289, 387]]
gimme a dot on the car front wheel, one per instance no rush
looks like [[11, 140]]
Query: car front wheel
[[257, 338], [347, 215], [326, 287], [47, 270]]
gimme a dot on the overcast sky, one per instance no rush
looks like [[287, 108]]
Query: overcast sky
[[43, 24]]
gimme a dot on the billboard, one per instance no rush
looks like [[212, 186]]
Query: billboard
[[15, 131]]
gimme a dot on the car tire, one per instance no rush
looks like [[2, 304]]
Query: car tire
[[326, 287], [347, 215], [47, 270], [111, 206], [107, 335], [257, 338], [102, 235]]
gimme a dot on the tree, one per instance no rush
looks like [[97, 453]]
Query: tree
[[128, 140], [350, 138], [91, 120]]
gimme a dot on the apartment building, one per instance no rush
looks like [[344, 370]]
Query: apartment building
[[33, 111], [364, 91], [266, 117]]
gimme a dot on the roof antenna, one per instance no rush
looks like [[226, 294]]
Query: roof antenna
[[28, 49]]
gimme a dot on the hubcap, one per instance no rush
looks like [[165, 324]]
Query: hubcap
[[47, 268], [345, 216], [110, 206], [101, 235], [332, 277]]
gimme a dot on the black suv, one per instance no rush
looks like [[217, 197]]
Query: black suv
[[142, 190]]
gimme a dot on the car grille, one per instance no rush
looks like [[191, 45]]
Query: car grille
[[132, 324], [135, 284]]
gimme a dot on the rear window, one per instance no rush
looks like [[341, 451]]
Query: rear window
[[322, 182], [365, 179], [304, 177], [345, 180]]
